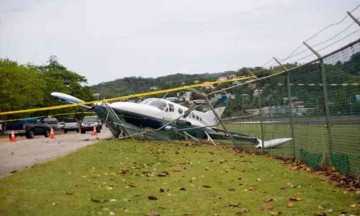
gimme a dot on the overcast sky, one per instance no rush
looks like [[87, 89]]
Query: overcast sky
[[105, 40]]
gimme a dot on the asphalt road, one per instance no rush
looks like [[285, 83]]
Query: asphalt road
[[15, 156]]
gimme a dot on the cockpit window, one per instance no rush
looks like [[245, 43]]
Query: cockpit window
[[180, 111], [146, 101], [158, 104], [171, 107]]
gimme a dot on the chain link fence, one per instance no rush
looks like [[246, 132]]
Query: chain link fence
[[316, 104]]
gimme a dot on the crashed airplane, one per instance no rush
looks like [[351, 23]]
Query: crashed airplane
[[161, 118]]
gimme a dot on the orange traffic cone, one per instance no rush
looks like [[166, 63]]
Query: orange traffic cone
[[12, 137], [52, 135], [94, 133]]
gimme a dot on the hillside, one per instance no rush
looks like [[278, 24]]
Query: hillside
[[273, 89], [129, 85]]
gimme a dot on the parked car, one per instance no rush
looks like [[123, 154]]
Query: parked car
[[61, 125], [52, 122], [1, 127], [28, 127], [88, 124], [71, 124]]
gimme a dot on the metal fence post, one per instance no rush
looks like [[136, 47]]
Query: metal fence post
[[290, 108], [261, 119], [352, 17], [327, 110]]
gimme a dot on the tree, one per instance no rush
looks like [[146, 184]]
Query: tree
[[21, 86]]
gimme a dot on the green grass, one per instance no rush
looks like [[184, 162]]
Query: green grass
[[118, 176], [312, 138]]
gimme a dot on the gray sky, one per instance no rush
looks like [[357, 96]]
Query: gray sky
[[105, 40]]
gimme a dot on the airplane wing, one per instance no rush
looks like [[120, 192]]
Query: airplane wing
[[221, 134], [69, 99]]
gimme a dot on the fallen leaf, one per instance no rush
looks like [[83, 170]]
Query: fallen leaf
[[152, 213], [69, 193], [295, 198], [163, 174], [98, 200], [244, 210], [206, 186], [266, 207], [290, 204], [353, 205], [162, 190], [133, 185], [153, 197], [269, 200], [275, 213], [182, 189], [231, 189], [234, 204], [283, 187]]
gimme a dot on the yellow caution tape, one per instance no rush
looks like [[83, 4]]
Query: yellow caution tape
[[127, 96]]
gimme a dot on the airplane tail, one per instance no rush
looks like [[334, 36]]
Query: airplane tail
[[219, 107]]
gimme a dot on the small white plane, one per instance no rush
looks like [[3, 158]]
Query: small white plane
[[163, 114]]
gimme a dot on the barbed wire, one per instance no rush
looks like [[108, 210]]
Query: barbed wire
[[284, 59], [326, 27], [295, 53], [346, 36], [355, 8], [333, 37], [267, 62]]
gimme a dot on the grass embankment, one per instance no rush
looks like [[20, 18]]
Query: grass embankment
[[310, 137], [117, 177]]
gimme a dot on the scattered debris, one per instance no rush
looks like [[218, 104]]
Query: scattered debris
[[290, 204], [153, 197], [266, 207], [234, 205], [152, 213]]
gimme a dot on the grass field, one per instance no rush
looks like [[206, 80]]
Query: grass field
[[310, 137], [117, 178]]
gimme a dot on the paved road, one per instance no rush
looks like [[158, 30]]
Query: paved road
[[25, 153]]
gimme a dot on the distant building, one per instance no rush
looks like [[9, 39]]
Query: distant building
[[231, 76], [223, 78], [186, 96], [196, 81], [154, 88], [257, 92], [209, 87]]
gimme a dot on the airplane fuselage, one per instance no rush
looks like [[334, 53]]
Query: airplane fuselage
[[155, 112]]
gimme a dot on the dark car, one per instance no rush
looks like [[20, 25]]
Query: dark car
[[28, 127], [88, 124]]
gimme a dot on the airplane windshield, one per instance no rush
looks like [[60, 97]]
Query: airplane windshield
[[146, 101], [158, 104]]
